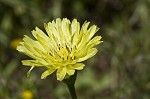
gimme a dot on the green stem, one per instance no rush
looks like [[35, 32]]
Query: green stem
[[70, 84]]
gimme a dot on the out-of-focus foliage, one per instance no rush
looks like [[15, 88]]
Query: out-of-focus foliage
[[119, 71]]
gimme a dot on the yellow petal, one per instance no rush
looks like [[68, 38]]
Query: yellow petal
[[83, 41], [70, 70], [51, 30], [24, 50], [32, 50], [75, 33], [61, 72], [84, 27], [95, 41], [28, 73], [78, 66], [31, 63], [91, 52], [74, 27], [54, 30], [92, 30], [64, 52], [40, 33], [33, 43], [66, 29], [47, 73], [81, 52]]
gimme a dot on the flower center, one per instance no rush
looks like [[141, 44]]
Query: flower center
[[67, 55]]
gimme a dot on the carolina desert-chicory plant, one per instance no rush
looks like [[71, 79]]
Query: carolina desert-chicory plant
[[63, 47]]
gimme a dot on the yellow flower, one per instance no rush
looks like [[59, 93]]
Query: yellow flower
[[27, 94], [15, 43], [62, 49]]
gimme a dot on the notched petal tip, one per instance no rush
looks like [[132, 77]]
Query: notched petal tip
[[74, 20], [20, 49]]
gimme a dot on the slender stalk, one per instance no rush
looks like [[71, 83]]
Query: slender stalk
[[72, 91], [70, 84]]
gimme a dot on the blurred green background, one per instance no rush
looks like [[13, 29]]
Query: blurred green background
[[120, 70]]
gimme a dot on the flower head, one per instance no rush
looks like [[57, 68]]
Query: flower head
[[62, 48], [14, 43], [27, 94]]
